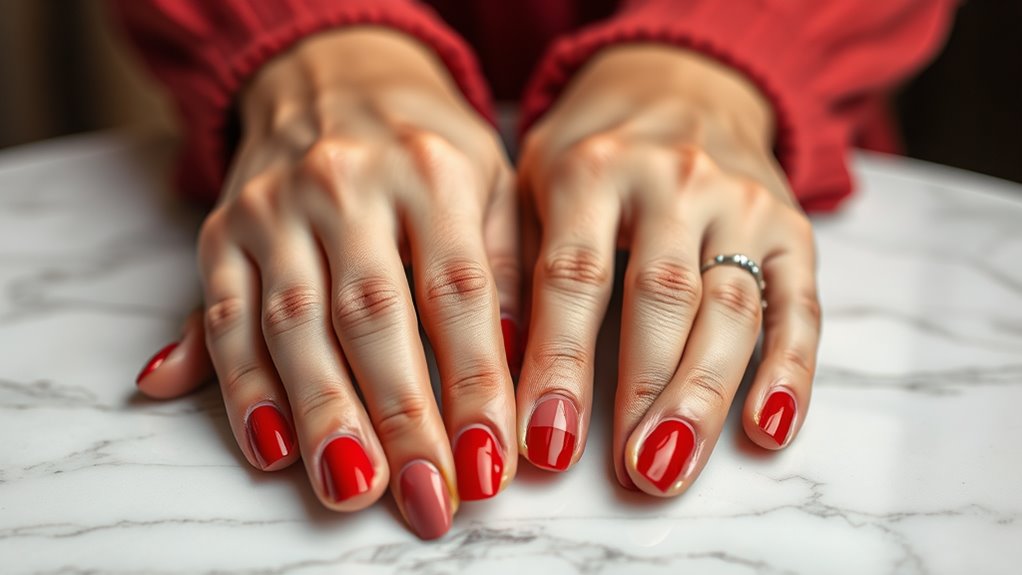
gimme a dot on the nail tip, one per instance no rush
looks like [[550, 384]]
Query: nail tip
[[346, 469], [479, 464], [777, 416], [155, 362], [426, 499], [664, 455]]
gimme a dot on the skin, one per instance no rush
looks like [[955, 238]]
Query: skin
[[351, 168], [666, 154]]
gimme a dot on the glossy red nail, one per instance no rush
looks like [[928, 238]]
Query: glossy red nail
[[479, 463], [777, 415], [346, 469], [269, 434], [427, 502], [155, 362], [665, 452], [512, 345], [552, 433]]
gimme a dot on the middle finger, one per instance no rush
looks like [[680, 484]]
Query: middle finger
[[571, 289]]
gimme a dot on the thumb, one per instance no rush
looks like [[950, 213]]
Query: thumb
[[180, 367]]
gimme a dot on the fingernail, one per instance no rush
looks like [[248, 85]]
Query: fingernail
[[427, 503], [665, 452], [269, 434], [777, 415], [512, 345], [346, 469], [155, 362], [551, 435], [479, 464]]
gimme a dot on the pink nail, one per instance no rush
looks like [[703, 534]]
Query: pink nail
[[552, 433], [427, 502]]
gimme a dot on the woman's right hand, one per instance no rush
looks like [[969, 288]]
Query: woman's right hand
[[359, 156]]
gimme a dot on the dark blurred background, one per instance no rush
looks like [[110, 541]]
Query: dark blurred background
[[63, 69]]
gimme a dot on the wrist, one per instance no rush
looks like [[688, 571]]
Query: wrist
[[719, 104], [354, 63]]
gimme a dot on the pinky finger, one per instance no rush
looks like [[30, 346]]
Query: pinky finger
[[180, 367], [777, 402]]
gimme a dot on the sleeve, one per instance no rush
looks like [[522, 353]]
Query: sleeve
[[817, 62], [204, 51]]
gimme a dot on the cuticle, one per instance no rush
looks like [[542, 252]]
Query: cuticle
[[485, 427]]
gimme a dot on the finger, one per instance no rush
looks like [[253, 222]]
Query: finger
[[180, 367], [671, 444], [662, 291], [776, 405], [257, 406], [500, 232], [461, 314], [571, 288], [375, 322], [343, 457]]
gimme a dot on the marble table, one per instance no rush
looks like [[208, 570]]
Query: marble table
[[909, 461]]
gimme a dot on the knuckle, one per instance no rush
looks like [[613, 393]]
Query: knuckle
[[324, 399], [808, 301], [589, 158], [457, 281], [645, 388], [223, 316], [739, 299], [255, 199], [708, 386], [670, 283], [567, 358], [238, 377], [327, 158], [800, 226], [479, 381], [332, 163], [798, 360], [364, 299], [403, 418], [435, 159], [693, 162], [758, 201], [289, 308], [576, 270]]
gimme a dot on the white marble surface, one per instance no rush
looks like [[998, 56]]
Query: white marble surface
[[909, 462]]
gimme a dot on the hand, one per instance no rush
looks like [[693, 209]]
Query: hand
[[666, 154], [358, 157]]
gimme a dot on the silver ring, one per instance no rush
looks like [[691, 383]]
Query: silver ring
[[739, 261]]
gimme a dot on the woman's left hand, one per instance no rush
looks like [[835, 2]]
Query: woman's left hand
[[667, 154]]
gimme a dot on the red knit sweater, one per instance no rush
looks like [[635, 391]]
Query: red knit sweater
[[821, 63]]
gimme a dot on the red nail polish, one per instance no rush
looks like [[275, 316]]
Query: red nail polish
[[665, 452], [512, 345], [479, 464], [269, 434], [427, 502], [551, 435], [346, 469], [777, 415], [155, 362]]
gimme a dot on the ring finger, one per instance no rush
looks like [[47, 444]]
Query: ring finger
[[671, 444], [342, 455], [376, 324]]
